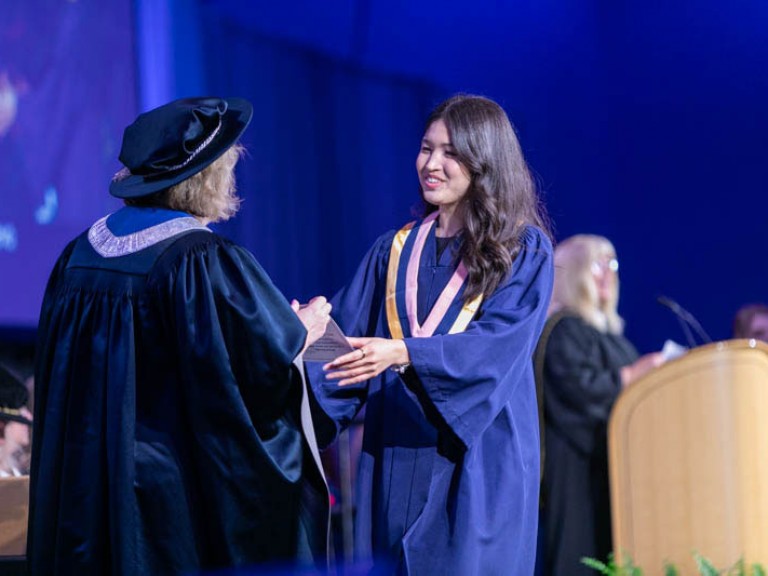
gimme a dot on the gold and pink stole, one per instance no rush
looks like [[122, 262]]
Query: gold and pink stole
[[402, 286]]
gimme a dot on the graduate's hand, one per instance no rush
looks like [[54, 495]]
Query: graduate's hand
[[370, 357], [315, 317]]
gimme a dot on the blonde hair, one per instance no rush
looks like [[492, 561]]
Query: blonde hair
[[211, 194], [575, 288]]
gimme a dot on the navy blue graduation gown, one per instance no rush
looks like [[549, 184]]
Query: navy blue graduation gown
[[449, 470], [168, 435]]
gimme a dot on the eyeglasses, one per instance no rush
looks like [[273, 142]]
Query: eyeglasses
[[599, 267]]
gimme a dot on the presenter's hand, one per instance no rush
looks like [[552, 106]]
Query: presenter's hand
[[641, 367], [370, 357], [315, 317]]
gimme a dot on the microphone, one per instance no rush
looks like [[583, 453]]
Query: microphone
[[686, 319]]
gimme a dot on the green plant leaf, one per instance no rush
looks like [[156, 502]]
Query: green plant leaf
[[600, 566], [738, 568], [628, 568], [705, 566]]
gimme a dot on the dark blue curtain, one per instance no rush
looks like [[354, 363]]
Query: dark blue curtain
[[331, 154]]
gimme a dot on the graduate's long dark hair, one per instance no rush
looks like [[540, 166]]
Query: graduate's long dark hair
[[501, 200]]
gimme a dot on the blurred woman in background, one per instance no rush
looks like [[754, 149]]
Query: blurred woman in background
[[582, 363]]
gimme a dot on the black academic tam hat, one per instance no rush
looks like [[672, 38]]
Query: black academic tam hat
[[13, 397], [177, 140]]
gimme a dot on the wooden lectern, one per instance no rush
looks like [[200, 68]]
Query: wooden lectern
[[688, 460]]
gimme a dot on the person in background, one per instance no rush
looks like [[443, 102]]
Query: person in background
[[751, 321], [582, 363], [443, 316], [172, 429], [17, 356], [15, 425]]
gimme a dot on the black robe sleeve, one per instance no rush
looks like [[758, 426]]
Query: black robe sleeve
[[582, 379]]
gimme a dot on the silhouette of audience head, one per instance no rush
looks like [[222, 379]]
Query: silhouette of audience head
[[751, 321], [15, 423]]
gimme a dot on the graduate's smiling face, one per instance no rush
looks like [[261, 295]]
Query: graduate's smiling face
[[444, 180]]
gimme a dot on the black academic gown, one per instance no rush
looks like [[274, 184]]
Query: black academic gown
[[168, 435], [581, 384]]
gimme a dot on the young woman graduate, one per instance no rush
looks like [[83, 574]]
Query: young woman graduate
[[444, 315]]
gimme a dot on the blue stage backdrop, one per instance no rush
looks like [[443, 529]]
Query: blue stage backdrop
[[67, 89], [331, 154], [644, 122]]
